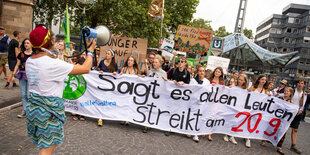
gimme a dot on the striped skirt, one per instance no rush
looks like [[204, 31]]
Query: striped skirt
[[44, 127]]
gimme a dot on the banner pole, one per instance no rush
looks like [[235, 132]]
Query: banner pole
[[162, 21]]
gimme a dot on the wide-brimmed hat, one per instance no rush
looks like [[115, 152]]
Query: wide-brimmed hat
[[40, 37], [283, 82]]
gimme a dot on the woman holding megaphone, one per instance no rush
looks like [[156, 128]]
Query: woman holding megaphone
[[45, 110]]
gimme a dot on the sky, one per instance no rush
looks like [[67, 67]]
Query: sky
[[224, 12]]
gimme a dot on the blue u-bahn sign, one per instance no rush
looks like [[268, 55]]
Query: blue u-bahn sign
[[217, 43]]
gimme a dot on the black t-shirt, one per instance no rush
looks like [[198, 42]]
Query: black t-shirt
[[23, 58], [13, 44], [175, 74]]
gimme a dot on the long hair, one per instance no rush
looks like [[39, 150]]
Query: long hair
[[111, 67], [22, 46], [246, 80], [135, 65], [257, 81], [228, 82], [221, 78]]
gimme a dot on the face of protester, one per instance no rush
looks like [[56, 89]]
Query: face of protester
[[190, 69], [231, 82], [130, 62], [83, 55], [109, 55], [156, 64], [236, 74], [151, 58], [27, 44], [71, 46], [262, 80], [241, 81], [217, 73], [287, 93], [201, 72], [182, 63], [60, 45], [270, 86], [282, 85], [2, 32], [301, 84]]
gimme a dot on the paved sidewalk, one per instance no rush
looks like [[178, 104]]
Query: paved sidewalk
[[85, 137], [8, 96]]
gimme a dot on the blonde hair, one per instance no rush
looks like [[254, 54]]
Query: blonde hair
[[245, 85]]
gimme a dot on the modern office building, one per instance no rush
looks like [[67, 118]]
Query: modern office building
[[285, 33]]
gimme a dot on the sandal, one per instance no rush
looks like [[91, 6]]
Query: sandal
[[263, 143], [279, 150], [210, 138]]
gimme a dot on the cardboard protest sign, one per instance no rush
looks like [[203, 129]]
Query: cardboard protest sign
[[193, 39], [214, 61], [125, 47]]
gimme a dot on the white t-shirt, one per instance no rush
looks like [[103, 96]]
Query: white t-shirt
[[46, 75], [296, 98], [194, 82]]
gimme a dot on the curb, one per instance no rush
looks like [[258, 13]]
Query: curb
[[5, 109]]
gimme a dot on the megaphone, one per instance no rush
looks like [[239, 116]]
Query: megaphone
[[101, 33]]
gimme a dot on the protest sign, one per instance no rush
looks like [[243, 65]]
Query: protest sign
[[125, 47], [193, 39], [187, 109], [167, 48], [214, 61]]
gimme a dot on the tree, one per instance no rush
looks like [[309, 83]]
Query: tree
[[248, 33], [221, 32], [124, 18], [201, 23]]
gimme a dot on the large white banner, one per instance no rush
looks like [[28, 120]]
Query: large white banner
[[188, 109]]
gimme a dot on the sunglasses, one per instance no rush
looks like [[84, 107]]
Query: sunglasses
[[181, 61]]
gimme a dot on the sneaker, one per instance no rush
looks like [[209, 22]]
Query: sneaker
[[14, 85], [167, 133], [196, 138], [226, 138], [145, 129], [7, 85], [248, 143], [295, 149], [82, 118], [75, 117], [23, 114], [232, 139], [99, 122]]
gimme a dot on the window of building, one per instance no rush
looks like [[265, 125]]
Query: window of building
[[290, 20], [287, 40], [272, 30], [279, 31], [294, 31], [289, 30], [275, 21], [307, 40], [284, 50], [275, 50], [297, 20], [301, 61], [308, 29], [293, 41]]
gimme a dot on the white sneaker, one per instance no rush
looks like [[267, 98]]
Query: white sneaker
[[248, 143], [226, 138], [23, 114], [232, 139], [196, 138]]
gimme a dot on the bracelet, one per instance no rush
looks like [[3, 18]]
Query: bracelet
[[89, 51], [90, 54], [13, 75]]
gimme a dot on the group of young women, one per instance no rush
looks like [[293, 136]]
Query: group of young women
[[44, 105]]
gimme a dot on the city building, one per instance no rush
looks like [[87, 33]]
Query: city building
[[286, 33]]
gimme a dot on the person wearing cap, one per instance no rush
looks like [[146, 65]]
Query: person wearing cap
[[4, 48], [45, 108], [280, 90]]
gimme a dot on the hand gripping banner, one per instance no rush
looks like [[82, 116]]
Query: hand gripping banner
[[186, 109]]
